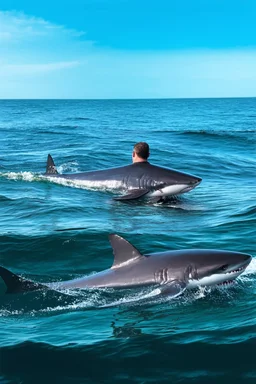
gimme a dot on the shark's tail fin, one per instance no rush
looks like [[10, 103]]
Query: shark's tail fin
[[16, 283], [50, 166]]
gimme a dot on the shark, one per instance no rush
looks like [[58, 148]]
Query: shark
[[132, 181], [172, 272]]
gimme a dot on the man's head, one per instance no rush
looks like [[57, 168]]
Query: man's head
[[140, 152]]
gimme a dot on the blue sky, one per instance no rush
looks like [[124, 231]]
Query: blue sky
[[127, 48]]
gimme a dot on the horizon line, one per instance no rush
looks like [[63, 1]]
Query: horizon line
[[135, 98]]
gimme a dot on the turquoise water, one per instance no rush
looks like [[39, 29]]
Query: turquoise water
[[54, 232]]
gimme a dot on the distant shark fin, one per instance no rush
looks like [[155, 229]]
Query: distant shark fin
[[123, 251], [16, 283], [50, 166], [132, 194]]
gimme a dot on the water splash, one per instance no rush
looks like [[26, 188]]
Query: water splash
[[26, 176]]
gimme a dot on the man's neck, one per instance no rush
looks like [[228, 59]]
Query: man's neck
[[140, 161]]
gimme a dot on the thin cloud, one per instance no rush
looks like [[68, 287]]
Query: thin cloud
[[31, 46], [33, 69], [16, 26]]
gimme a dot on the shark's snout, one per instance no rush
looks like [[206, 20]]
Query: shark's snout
[[236, 262], [245, 259], [219, 267], [195, 181], [235, 270], [190, 184], [241, 259]]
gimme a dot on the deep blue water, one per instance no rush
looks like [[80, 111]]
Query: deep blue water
[[53, 232]]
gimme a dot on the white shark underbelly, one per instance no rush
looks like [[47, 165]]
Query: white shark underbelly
[[170, 190]]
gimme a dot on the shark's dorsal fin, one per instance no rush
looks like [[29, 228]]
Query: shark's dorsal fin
[[50, 166], [124, 252]]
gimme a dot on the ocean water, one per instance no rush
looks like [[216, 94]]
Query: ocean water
[[52, 232]]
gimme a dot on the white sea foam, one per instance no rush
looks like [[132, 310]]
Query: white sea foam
[[251, 269], [87, 184], [7, 313], [26, 176], [109, 185], [68, 167]]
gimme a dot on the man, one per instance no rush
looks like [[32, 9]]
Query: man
[[140, 152]]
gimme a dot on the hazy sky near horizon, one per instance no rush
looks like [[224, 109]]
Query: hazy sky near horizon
[[127, 48]]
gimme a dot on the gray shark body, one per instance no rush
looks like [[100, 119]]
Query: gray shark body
[[172, 271], [134, 180]]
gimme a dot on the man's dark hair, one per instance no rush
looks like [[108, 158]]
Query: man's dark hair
[[142, 150]]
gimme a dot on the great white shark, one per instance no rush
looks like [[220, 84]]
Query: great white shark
[[134, 180], [172, 271]]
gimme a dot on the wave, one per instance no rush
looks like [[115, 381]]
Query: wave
[[26, 176], [216, 132], [70, 166], [30, 176], [213, 132], [64, 126], [79, 118], [233, 224], [247, 134], [71, 229], [48, 132], [74, 250], [249, 211], [251, 269], [5, 198], [137, 358]]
